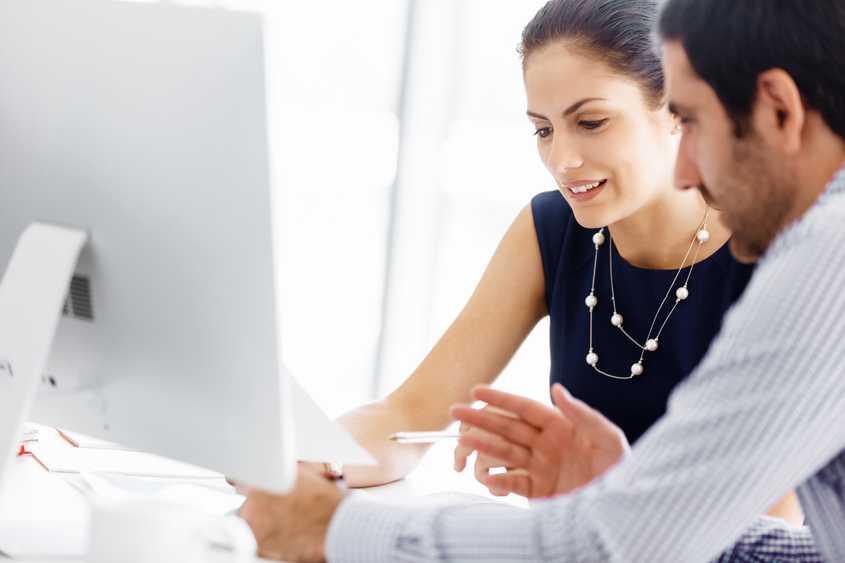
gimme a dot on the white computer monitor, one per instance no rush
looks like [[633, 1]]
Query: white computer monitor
[[145, 126]]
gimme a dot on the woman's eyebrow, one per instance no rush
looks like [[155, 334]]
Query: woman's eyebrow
[[570, 110]]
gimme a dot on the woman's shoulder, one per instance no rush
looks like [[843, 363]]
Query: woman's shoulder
[[564, 244], [732, 273], [553, 219], [551, 210]]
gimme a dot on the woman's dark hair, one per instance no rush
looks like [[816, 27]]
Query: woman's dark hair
[[619, 32], [729, 43]]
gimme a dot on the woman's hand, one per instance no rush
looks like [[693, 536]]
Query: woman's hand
[[483, 463], [551, 451]]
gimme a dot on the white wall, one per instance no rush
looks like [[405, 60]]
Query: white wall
[[466, 166]]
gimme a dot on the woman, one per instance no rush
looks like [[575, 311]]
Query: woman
[[635, 275]]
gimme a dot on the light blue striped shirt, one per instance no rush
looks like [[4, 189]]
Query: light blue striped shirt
[[762, 414]]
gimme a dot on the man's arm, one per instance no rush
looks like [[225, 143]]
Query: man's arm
[[754, 420], [410, 538], [770, 540]]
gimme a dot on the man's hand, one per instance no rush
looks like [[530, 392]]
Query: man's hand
[[556, 449], [293, 527], [484, 464]]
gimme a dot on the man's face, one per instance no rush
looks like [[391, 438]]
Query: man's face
[[741, 177]]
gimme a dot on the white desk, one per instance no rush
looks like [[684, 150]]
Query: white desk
[[34, 489]]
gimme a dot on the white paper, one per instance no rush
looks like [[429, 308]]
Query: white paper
[[83, 441], [212, 501], [40, 515], [58, 456], [318, 438]]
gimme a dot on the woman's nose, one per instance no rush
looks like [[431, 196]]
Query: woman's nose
[[564, 157]]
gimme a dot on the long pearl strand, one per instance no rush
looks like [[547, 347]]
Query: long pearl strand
[[651, 344]]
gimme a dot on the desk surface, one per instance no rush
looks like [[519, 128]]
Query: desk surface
[[433, 481]]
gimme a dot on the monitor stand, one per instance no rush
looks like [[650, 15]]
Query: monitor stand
[[32, 293]]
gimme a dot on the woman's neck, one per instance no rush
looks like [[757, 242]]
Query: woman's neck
[[659, 235]]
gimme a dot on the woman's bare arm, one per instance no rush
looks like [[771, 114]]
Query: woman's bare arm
[[504, 308]]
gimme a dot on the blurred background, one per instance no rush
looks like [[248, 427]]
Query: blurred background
[[402, 154]]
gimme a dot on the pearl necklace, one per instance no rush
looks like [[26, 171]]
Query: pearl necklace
[[702, 235]]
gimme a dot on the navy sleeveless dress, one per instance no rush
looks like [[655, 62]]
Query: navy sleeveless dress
[[634, 405]]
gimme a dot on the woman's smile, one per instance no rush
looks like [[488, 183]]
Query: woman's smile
[[583, 190]]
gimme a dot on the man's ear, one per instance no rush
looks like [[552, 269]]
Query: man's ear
[[779, 113]]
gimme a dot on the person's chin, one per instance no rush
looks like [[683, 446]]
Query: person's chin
[[592, 217], [744, 253]]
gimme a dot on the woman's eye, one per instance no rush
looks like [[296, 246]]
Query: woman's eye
[[543, 132], [590, 125]]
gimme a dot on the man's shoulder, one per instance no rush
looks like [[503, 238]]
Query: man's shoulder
[[789, 292], [822, 226]]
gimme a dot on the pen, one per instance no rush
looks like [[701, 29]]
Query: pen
[[422, 437]]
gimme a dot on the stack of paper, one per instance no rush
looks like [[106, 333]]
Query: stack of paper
[[58, 455], [46, 513]]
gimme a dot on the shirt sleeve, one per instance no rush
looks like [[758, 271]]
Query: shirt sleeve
[[367, 530], [769, 539], [754, 420]]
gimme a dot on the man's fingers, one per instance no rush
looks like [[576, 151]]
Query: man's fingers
[[529, 410], [507, 454], [511, 429], [239, 488], [594, 425], [500, 491], [502, 484], [253, 512], [462, 452], [269, 554], [484, 463], [580, 413], [481, 469]]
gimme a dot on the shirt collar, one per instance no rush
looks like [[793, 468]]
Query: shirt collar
[[835, 186]]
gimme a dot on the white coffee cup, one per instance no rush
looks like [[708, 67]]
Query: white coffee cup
[[143, 531]]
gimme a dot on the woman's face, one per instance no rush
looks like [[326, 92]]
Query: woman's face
[[610, 153]]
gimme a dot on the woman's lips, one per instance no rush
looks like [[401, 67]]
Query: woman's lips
[[584, 190]]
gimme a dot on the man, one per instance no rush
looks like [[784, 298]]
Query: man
[[760, 89]]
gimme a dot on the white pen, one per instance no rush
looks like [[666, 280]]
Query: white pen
[[422, 437]]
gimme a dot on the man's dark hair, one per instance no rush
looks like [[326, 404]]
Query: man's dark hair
[[729, 43], [619, 32]]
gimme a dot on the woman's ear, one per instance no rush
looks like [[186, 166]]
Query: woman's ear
[[676, 125], [672, 119]]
